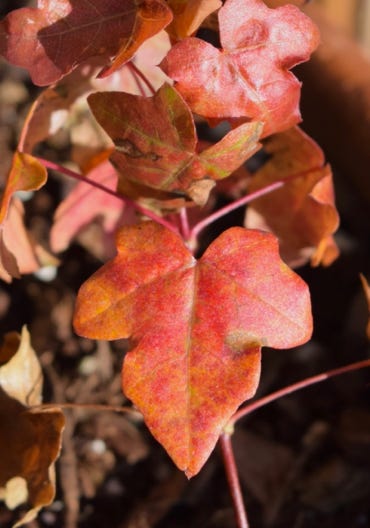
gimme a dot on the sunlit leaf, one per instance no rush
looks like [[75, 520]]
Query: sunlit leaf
[[248, 77], [156, 143], [196, 327], [54, 38]]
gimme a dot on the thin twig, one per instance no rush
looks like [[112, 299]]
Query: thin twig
[[247, 409], [233, 481], [84, 406], [68, 172]]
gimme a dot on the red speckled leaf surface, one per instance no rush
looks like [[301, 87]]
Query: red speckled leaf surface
[[249, 77], [196, 327], [156, 142], [58, 35]]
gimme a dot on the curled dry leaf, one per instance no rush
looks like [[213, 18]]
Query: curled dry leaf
[[18, 253], [29, 441], [196, 327], [249, 77], [33, 37], [20, 371], [155, 143], [302, 212]]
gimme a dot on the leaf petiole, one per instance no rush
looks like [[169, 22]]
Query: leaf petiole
[[194, 232], [249, 408], [138, 74]]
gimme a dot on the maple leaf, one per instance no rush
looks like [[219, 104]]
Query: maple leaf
[[63, 104], [29, 441], [188, 16], [196, 327], [86, 203], [54, 38], [156, 142], [248, 78], [302, 212]]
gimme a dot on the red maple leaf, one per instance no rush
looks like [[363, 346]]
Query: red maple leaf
[[156, 143], [196, 327], [248, 78], [54, 38]]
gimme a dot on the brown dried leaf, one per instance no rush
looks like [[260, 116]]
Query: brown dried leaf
[[29, 441], [20, 373]]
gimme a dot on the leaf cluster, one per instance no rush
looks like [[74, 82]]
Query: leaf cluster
[[129, 82]]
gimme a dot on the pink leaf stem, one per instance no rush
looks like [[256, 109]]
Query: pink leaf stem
[[247, 409]]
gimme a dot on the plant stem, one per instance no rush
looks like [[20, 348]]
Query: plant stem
[[231, 207], [138, 80], [233, 481], [68, 172], [247, 409], [244, 201], [141, 76]]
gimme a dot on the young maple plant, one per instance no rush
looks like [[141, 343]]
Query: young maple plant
[[140, 76]]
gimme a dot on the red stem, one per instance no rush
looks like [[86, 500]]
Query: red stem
[[233, 481], [141, 76], [244, 201], [59, 168], [138, 80], [234, 205], [247, 409]]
